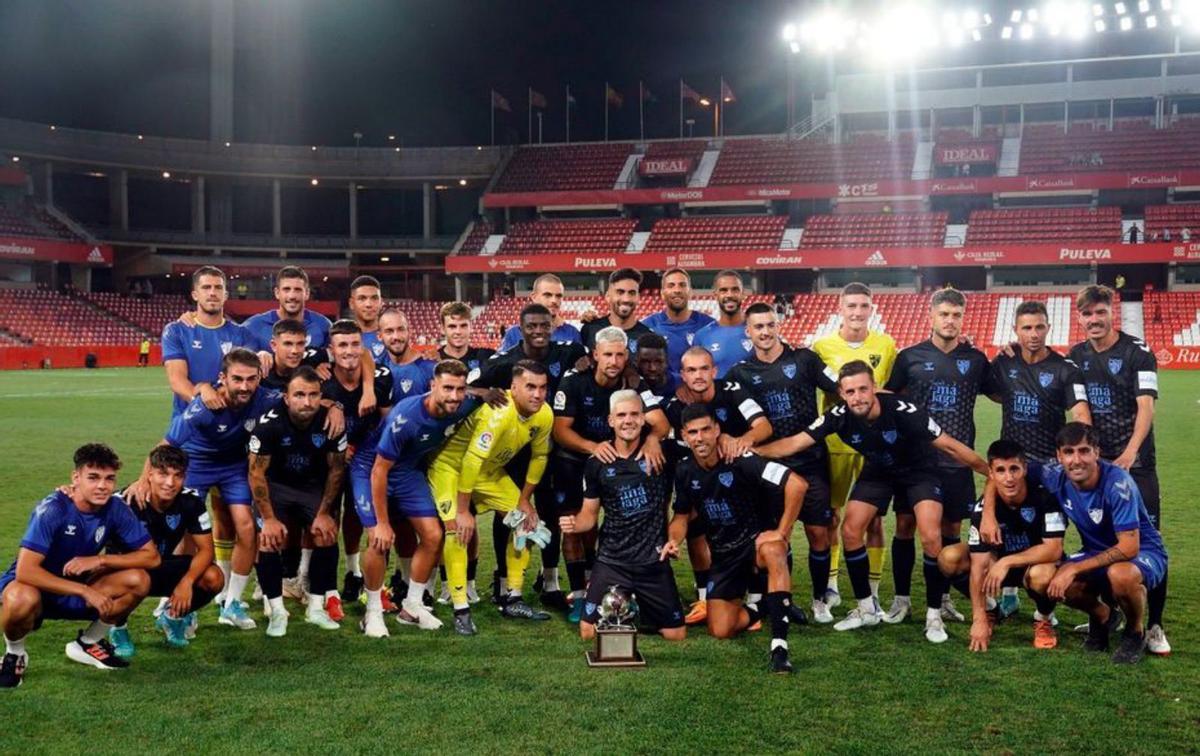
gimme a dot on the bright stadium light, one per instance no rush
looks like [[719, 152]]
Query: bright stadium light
[[1098, 10], [1006, 33], [1126, 23], [1176, 20], [1015, 17], [166, 174], [1151, 22], [794, 46], [314, 182], [1120, 9], [970, 19], [1026, 31], [976, 35], [789, 32], [1144, 6], [1032, 15], [1100, 26], [1166, 5]]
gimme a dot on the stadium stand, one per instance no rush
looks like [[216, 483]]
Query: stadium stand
[[764, 161], [875, 230], [1172, 318], [26, 220], [1132, 145], [475, 240], [717, 232], [1044, 224], [568, 236], [149, 315], [1173, 218], [48, 318], [564, 168]]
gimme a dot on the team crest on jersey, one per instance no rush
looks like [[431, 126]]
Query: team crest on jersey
[[644, 466], [747, 345], [173, 521], [1114, 365], [377, 349], [1096, 514], [318, 439], [1028, 513], [889, 436], [690, 338], [100, 534], [726, 479], [874, 359], [1045, 379], [722, 414], [249, 424], [789, 370], [963, 366], [632, 345], [555, 369], [226, 346], [406, 385]]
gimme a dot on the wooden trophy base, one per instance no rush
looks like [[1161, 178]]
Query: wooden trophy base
[[594, 660]]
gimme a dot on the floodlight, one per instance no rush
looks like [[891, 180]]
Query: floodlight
[[1126, 23], [1006, 33], [1151, 22], [970, 19], [976, 35], [1100, 26], [789, 32], [1015, 17], [795, 46], [1097, 10], [987, 19], [1144, 6], [1026, 31], [1120, 9]]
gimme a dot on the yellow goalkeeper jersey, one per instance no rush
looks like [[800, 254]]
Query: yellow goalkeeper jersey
[[878, 351], [488, 440]]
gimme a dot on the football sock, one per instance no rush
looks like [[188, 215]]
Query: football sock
[[405, 564], [962, 583], [904, 558], [753, 613], [305, 562], [14, 646], [577, 575], [374, 600], [1043, 603], [835, 557], [291, 561], [934, 582], [276, 604], [322, 572], [226, 568], [416, 592], [270, 574], [96, 632], [454, 560], [702, 583], [237, 586], [875, 558], [550, 580], [950, 540], [777, 605], [501, 535], [516, 562], [818, 568], [860, 579], [352, 565], [200, 599], [753, 598], [222, 550], [1156, 600]]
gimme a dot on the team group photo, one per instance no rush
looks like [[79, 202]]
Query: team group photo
[[847, 411]]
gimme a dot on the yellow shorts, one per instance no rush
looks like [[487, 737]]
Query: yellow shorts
[[496, 494], [843, 472]]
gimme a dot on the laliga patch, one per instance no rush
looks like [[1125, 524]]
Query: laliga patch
[[1147, 380], [485, 440], [560, 401], [1080, 392], [973, 536], [774, 472]]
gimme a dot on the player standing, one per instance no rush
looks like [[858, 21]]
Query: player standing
[[59, 572], [726, 339], [854, 340], [634, 498], [548, 292], [366, 302], [943, 376], [677, 322], [651, 363], [1121, 375], [456, 328], [292, 292], [623, 295]]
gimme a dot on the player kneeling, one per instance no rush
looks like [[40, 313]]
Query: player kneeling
[[188, 582], [60, 573], [1031, 543], [733, 498], [635, 509]]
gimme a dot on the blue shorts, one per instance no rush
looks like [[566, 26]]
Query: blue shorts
[[409, 495], [56, 606], [229, 479], [1151, 564]]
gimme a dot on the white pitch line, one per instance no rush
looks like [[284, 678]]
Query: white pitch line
[[91, 392]]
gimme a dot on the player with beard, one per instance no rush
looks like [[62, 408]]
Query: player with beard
[[726, 339], [622, 295], [732, 499], [292, 292], [296, 475], [456, 329], [635, 499], [1121, 374], [944, 376], [853, 341], [651, 363], [581, 429], [547, 292], [677, 322], [494, 378], [784, 381], [743, 425], [898, 441]]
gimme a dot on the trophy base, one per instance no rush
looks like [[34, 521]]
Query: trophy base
[[594, 660]]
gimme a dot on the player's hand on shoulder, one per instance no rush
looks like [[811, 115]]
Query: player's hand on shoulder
[[211, 398], [653, 454], [335, 421], [732, 447], [1010, 349], [324, 371], [605, 452], [188, 319], [267, 360], [495, 398], [138, 493]]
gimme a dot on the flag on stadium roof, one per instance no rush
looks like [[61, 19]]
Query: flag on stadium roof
[[647, 95], [612, 96], [499, 101], [536, 99], [687, 93]]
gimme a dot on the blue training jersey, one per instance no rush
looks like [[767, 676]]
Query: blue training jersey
[[218, 437], [59, 531], [564, 332], [1113, 506], [410, 433], [728, 345], [260, 325], [202, 348], [371, 341], [679, 336], [411, 378]]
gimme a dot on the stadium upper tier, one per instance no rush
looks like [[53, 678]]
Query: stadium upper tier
[[1131, 146], [786, 161], [26, 220]]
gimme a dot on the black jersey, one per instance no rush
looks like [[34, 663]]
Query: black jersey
[[732, 499], [589, 331], [786, 389], [1034, 399], [474, 358], [559, 360], [298, 455], [312, 357], [733, 406], [186, 514], [1115, 378], [897, 442], [634, 501], [587, 402], [946, 385], [1027, 524], [358, 428]]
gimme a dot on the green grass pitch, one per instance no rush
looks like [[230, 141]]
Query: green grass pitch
[[525, 688]]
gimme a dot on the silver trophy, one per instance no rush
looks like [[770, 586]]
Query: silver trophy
[[616, 631]]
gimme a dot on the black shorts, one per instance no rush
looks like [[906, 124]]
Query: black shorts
[[814, 510], [958, 492], [568, 484], [878, 489], [732, 573], [1147, 483], [543, 500], [653, 585], [167, 575], [293, 505]]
